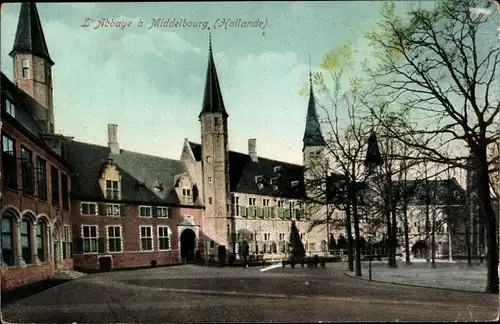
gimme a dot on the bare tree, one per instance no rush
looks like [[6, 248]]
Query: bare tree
[[437, 66]]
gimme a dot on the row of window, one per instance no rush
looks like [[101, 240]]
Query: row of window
[[267, 237], [112, 209], [91, 243], [270, 212], [274, 247], [30, 242], [34, 175]]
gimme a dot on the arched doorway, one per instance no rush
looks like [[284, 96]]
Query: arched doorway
[[188, 245], [419, 249]]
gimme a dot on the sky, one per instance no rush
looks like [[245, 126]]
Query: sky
[[150, 81]]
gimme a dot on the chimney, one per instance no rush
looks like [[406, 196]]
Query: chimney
[[252, 149], [114, 147]]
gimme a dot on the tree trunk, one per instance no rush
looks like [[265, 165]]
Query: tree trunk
[[427, 221], [433, 240], [489, 218], [394, 236], [388, 241], [405, 220], [467, 238], [350, 260], [356, 234]]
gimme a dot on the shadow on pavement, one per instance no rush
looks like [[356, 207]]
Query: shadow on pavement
[[13, 295]]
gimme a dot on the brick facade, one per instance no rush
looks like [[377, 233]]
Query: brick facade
[[130, 224], [17, 206]]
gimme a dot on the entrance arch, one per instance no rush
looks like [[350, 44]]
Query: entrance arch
[[188, 245]]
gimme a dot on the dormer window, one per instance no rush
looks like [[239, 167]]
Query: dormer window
[[258, 179], [277, 169], [26, 68], [10, 108], [112, 190], [186, 196], [275, 188], [295, 184], [209, 159], [273, 181]]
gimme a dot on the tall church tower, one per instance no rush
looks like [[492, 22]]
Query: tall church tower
[[313, 140], [33, 65], [215, 159]]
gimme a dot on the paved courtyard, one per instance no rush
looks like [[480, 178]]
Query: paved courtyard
[[199, 294], [455, 275]]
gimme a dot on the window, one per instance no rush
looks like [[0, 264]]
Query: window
[[26, 68], [65, 191], [27, 171], [26, 241], [89, 238], [162, 212], [236, 205], [212, 244], [282, 236], [163, 238], [41, 240], [113, 210], [10, 108], [9, 165], [88, 208], [114, 238], [7, 241], [146, 238], [186, 196], [145, 211], [251, 201], [66, 242], [209, 159], [210, 200], [112, 191], [216, 121], [55, 185], [41, 167], [267, 236], [295, 184], [312, 247]]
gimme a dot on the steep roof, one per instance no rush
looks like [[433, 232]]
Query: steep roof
[[24, 119], [140, 173], [29, 34], [436, 192], [243, 172], [312, 133], [25, 106], [212, 97]]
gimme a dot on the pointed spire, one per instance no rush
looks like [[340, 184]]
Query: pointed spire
[[29, 34], [312, 134], [212, 98]]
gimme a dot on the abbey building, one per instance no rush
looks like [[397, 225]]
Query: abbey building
[[67, 204]]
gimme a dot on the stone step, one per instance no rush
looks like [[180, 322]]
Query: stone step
[[67, 274]]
